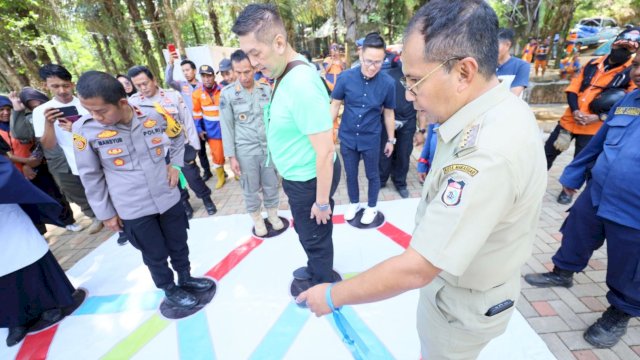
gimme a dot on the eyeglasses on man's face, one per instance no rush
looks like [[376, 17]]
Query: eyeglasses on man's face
[[412, 88]]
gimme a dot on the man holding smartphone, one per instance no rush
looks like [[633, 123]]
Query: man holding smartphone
[[54, 131]]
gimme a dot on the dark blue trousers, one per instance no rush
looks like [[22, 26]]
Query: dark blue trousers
[[583, 232], [371, 159]]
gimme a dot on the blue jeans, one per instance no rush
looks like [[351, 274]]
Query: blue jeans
[[371, 158]]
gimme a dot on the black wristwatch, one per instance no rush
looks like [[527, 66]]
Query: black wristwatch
[[422, 131]]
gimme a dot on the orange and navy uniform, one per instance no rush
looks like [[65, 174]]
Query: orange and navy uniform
[[206, 114], [600, 80], [528, 52]]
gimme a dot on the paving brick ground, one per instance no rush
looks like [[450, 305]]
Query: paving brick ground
[[559, 315]]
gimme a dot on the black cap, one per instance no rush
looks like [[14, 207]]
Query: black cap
[[206, 69]]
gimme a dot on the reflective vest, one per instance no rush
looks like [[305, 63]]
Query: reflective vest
[[206, 111]]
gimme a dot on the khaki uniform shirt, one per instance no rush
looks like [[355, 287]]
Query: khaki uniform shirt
[[242, 121], [480, 204], [173, 103], [123, 167]]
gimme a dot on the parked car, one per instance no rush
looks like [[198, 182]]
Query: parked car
[[595, 31]]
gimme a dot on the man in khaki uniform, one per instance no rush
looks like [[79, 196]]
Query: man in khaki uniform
[[244, 140], [477, 217]]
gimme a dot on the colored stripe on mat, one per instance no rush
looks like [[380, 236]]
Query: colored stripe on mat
[[374, 347], [396, 234], [278, 340], [233, 258], [194, 339], [36, 346], [140, 337], [112, 304]]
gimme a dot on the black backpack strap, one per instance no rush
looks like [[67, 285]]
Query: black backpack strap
[[587, 74], [288, 68]]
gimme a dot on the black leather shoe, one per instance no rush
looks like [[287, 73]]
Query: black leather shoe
[[557, 277], [207, 175], [564, 198], [187, 282], [187, 208], [122, 238], [16, 334], [607, 331], [209, 205], [404, 193], [52, 316], [179, 297]]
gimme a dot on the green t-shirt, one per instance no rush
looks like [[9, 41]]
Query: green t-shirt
[[300, 108]]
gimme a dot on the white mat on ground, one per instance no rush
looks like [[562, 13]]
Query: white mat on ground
[[252, 315]]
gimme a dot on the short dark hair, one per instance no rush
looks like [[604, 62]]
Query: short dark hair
[[54, 70], [373, 40], [139, 69], [188, 62], [457, 29], [261, 19], [237, 56], [505, 34], [94, 84], [307, 55]]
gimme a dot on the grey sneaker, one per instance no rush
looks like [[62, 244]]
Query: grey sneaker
[[96, 226], [74, 227]]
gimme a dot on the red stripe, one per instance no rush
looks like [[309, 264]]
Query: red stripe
[[233, 258], [400, 237], [338, 219], [36, 346]]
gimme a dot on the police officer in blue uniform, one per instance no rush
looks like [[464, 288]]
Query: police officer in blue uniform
[[607, 208]]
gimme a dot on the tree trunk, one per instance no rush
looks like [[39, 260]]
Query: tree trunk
[[173, 25], [195, 33], [121, 36], [27, 58], [142, 35], [55, 52], [160, 42], [107, 50], [101, 54], [16, 82], [557, 20], [213, 17]]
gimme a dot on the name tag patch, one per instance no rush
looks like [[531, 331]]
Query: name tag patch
[[460, 167]]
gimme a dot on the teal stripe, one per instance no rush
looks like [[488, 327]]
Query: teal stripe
[[111, 304], [194, 339], [282, 334], [365, 338]]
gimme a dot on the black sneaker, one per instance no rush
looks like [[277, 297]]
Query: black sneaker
[[16, 334], [404, 193], [608, 329], [52, 316], [564, 198], [179, 297], [557, 277], [207, 175], [209, 205]]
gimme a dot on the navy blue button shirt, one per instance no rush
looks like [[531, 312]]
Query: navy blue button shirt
[[616, 153], [364, 99]]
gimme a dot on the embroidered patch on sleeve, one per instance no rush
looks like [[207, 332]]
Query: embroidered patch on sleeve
[[453, 193], [79, 141]]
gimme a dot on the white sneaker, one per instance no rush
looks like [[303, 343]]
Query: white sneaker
[[74, 227], [351, 212], [369, 215]]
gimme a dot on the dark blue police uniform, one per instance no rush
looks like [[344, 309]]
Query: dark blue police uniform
[[609, 207], [360, 129]]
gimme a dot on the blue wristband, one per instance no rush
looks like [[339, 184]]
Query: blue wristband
[[328, 297]]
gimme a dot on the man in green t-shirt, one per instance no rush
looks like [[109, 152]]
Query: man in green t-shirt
[[299, 137]]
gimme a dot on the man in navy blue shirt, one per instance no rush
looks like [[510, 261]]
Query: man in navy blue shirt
[[366, 93], [511, 71], [607, 208]]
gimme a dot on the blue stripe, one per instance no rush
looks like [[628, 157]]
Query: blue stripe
[[194, 340], [368, 346], [111, 304], [282, 334]]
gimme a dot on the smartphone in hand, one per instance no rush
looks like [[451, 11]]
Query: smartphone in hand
[[70, 113]]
